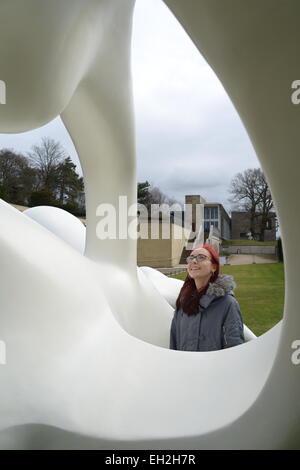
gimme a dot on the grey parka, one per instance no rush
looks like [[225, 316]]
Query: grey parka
[[217, 325]]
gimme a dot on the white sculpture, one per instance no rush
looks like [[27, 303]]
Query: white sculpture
[[88, 364], [71, 230], [61, 223]]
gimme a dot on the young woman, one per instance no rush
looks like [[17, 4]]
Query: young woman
[[207, 315]]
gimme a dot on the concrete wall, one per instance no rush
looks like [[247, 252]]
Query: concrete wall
[[161, 253], [251, 250], [225, 223], [240, 223]]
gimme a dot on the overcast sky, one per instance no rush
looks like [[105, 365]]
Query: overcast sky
[[189, 138]]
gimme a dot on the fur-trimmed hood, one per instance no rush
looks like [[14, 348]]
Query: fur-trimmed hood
[[224, 284]]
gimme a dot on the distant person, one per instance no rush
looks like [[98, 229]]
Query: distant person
[[207, 315]]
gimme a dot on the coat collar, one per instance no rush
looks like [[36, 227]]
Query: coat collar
[[224, 284]]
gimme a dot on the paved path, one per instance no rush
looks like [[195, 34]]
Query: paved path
[[250, 259]]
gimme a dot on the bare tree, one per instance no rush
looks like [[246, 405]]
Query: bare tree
[[45, 158], [158, 197], [148, 194], [265, 205], [250, 193]]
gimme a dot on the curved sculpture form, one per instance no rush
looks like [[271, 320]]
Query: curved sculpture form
[[61, 223], [72, 231], [87, 358]]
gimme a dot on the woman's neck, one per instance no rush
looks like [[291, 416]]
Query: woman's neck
[[201, 283]]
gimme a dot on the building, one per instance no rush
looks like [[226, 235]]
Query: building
[[172, 248], [162, 242], [213, 214], [240, 226]]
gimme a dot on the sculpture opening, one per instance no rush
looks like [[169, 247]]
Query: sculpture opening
[[191, 141], [79, 326]]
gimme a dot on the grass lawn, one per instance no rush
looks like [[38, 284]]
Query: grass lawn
[[260, 293]]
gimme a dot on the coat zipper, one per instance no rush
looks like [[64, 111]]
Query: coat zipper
[[224, 334]]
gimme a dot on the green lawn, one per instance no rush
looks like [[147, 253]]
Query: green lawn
[[260, 293]]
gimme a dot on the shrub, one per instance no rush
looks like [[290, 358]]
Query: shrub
[[43, 197]]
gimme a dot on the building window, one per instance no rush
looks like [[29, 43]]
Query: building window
[[211, 213], [206, 226], [206, 213], [214, 214], [243, 235], [269, 224]]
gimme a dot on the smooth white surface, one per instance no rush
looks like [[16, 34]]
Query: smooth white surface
[[67, 227], [61, 223], [87, 358]]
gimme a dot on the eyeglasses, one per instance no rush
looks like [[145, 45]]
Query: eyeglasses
[[198, 258]]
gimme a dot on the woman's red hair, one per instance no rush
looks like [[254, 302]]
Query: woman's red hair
[[189, 296]]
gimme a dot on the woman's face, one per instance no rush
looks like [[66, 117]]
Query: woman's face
[[201, 269]]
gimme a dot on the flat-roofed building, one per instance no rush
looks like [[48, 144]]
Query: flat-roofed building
[[213, 214], [241, 223]]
